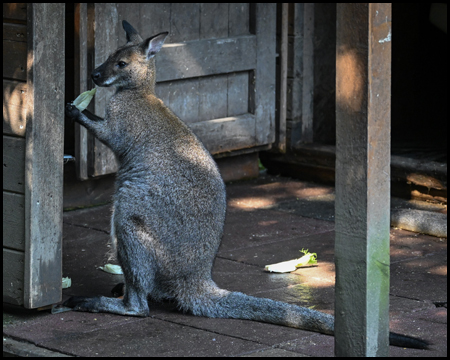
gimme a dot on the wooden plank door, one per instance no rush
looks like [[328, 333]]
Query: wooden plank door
[[216, 70]]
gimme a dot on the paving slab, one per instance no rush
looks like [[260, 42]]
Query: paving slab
[[269, 220], [263, 226], [84, 251]]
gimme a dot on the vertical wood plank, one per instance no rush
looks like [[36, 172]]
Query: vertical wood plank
[[185, 22], [155, 18], [101, 160], [212, 97], [238, 19], [81, 81], [308, 74], [280, 136], [295, 72], [265, 29], [163, 90], [13, 271], [238, 83], [14, 221], [13, 154], [130, 12], [183, 98], [185, 26], [213, 20], [301, 70], [237, 93], [363, 54], [14, 107], [44, 154], [14, 51]]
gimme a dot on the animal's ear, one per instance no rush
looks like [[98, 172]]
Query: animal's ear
[[154, 44], [132, 35]]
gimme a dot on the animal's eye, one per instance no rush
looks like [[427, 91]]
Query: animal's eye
[[121, 64]]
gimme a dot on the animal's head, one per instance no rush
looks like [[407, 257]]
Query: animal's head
[[132, 65]]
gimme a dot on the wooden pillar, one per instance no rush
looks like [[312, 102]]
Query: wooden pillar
[[44, 154], [363, 67]]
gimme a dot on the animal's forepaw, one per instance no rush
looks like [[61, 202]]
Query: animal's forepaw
[[72, 112]]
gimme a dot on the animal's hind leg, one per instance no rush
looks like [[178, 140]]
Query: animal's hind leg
[[133, 304], [137, 266]]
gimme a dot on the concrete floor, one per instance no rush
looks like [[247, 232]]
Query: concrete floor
[[269, 220]]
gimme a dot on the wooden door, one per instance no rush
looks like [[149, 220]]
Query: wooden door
[[216, 70]]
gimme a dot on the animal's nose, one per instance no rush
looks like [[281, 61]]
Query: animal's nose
[[95, 75]]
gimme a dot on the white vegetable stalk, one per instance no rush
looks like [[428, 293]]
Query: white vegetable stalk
[[83, 100], [308, 259], [112, 269]]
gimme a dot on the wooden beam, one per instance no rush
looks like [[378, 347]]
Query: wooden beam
[[363, 67], [44, 154]]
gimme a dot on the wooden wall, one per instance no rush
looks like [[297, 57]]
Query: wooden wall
[[14, 127]]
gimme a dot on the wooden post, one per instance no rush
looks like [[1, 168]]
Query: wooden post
[[280, 136], [363, 67], [44, 154]]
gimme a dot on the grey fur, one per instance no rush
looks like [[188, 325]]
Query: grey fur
[[169, 205]]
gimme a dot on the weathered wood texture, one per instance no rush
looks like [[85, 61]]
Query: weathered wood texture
[[14, 109], [282, 74], [363, 63], [13, 192], [14, 69], [13, 276], [82, 82], [308, 73], [216, 70], [13, 164], [14, 127], [44, 154], [33, 127], [300, 74]]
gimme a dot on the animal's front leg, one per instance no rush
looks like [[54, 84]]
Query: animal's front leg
[[93, 122], [82, 117]]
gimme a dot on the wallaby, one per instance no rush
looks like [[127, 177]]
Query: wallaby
[[169, 204]]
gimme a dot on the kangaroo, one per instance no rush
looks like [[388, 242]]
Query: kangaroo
[[169, 204]]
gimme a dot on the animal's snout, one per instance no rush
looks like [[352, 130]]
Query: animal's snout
[[101, 78], [95, 75]]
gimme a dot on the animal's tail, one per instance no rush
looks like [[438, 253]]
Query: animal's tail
[[223, 304], [408, 341]]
